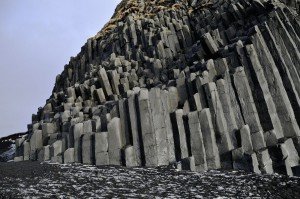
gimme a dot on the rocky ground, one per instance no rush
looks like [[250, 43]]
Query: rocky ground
[[35, 180]]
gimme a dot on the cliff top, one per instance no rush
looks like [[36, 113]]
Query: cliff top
[[139, 9]]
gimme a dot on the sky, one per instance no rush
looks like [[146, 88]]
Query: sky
[[37, 38]]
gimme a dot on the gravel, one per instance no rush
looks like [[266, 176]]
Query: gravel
[[45, 180]]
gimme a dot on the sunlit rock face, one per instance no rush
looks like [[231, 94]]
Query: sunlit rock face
[[199, 85]]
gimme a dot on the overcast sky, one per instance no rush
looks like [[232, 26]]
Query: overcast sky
[[37, 38]]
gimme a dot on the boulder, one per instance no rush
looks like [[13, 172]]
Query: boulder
[[18, 159], [56, 148], [44, 154], [265, 162], [76, 133], [188, 164], [130, 157], [69, 156], [180, 141], [101, 148], [196, 140], [244, 161], [246, 141], [115, 143], [146, 123], [57, 159], [210, 144], [36, 143], [26, 150], [88, 150]]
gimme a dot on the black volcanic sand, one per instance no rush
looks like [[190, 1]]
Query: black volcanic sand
[[35, 180]]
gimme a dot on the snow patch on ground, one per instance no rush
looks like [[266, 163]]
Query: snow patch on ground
[[9, 154]]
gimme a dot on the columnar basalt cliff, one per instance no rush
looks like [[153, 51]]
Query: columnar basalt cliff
[[196, 84]]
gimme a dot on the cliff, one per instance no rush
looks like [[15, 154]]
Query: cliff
[[196, 84]]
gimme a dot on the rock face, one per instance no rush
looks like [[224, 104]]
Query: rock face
[[8, 146], [211, 84]]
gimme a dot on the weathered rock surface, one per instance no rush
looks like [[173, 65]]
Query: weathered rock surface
[[201, 84]]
